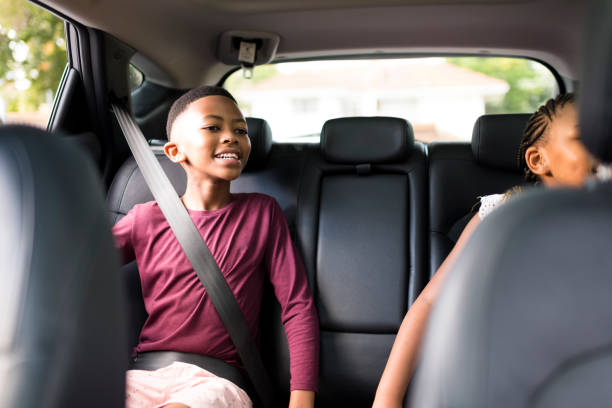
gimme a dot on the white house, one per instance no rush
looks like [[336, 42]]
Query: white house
[[439, 99]]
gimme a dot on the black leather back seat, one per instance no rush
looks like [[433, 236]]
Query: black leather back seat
[[361, 226], [358, 208], [460, 173]]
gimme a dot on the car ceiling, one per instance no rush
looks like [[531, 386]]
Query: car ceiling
[[176, 40]]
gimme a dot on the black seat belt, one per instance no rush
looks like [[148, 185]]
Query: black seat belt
[[197, 252]]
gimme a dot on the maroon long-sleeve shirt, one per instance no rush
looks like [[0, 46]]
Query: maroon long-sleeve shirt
[[250, 240]]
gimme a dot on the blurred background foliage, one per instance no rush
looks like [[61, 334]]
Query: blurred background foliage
[[529, 84], [32, 55]]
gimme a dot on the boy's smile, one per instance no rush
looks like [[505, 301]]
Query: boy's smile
[[210, 140], [230, 156]]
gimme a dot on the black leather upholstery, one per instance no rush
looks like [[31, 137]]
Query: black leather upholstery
[[360, 231], [63, 337], [524, 318], [496, 140], [596, 82], [129, 187], [366, 140], [261, 143], [459, 174]]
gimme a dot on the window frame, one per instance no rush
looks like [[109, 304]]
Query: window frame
[[561, 86], [559, 82]]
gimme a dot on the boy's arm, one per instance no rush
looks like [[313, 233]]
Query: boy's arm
[[298, 312], [301, 399], [123, 231]]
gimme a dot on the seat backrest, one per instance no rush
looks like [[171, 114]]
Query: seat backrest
[[361, 220], [524, 317], [62, 334], [596, 82], [459, 173]]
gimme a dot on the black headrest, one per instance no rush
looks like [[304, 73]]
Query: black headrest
[[366, 140], [261, 143], [496, 139]]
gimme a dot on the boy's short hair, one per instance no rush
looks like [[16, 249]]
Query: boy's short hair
[[188, 97]]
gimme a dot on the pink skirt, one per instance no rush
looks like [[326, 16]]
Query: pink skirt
[[182, 383]]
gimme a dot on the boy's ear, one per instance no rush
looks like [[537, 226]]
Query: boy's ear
[[173, 152], [536, 161]]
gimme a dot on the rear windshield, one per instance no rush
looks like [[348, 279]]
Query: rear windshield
[[440, 97]]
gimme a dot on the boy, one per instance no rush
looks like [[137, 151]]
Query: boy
[[249, 239]]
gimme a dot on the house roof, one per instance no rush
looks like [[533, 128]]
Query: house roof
[[379, 75]]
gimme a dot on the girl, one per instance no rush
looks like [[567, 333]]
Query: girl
[[247, 235], [550, 153]]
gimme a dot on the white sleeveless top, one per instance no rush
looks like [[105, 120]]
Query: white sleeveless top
[[489, 203]]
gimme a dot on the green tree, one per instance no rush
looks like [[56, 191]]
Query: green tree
[[32, 54], [530, 84]]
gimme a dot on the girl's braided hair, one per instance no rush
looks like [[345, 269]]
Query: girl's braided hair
[[536, 127]]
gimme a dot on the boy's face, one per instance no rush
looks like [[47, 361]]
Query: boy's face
[[210, 139]]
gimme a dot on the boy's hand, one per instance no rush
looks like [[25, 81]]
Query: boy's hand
[[301, 399]]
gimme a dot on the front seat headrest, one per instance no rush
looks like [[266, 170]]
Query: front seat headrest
[[496, 140], [358, 140]]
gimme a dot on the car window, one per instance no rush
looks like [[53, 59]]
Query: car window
[[135, 78], [32, 61], [441, 97]]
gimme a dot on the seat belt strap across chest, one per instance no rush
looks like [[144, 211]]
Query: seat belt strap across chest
[[197, 252]]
